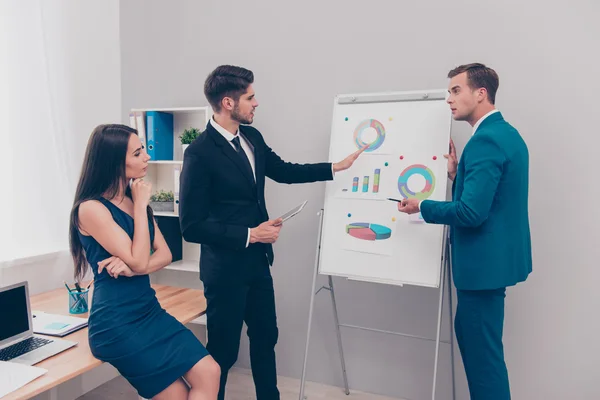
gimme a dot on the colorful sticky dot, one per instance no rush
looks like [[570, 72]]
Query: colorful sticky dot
[[386, 164], [349, 215], [435, 157], [402, 157], [394, 219], [346, 119], [391, 118]]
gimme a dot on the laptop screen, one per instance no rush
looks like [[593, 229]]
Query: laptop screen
[[13, 312]]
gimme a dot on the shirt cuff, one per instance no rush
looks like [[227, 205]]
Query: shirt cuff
[[420, 204], [248, 240], [332, 172]]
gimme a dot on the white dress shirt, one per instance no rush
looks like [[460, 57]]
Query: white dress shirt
[[247, 147], [474, 130]]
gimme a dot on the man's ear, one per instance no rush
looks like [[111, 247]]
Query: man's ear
[[227, 103], [482, 94]]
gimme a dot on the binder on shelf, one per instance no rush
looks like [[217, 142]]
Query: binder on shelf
[[132, 122], [159, 135], [141, 128], [176, 173]]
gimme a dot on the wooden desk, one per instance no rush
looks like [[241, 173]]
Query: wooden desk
[[184, 304]]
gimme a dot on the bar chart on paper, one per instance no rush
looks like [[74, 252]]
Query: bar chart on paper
[[364, 180], [365, 183]]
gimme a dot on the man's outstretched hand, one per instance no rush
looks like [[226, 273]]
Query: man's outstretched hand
[[348, 161]]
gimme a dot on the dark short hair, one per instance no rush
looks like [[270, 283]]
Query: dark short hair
[[479, 76], [226, 81]]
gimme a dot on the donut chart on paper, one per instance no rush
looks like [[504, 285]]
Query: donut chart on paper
[[362, 127], [368, 231], [425, 173]]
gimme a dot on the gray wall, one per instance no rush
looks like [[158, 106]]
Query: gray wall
[[304, 53]]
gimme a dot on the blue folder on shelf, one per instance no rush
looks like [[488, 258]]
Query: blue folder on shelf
[[159, 135]]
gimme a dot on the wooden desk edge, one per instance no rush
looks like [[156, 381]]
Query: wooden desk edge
[[29, 390]]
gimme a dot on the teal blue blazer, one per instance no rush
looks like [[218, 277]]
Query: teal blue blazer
[[488, 215]]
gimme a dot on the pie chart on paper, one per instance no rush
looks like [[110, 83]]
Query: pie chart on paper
[[368, 231]]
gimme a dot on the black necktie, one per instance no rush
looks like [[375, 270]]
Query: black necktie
[[242, 154]]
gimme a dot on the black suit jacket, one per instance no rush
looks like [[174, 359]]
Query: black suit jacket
[[219, 200]]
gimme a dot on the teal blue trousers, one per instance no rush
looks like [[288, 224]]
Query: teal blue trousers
[[479, 324]]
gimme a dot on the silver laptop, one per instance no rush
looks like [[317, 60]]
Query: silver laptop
[[17, 341]]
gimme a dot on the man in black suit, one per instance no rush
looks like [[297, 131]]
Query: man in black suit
[[222, 207]]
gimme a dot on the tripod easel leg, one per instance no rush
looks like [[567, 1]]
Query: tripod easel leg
[[450, 317], [339, 335], [311, 307], [438, 331], [444, 270]]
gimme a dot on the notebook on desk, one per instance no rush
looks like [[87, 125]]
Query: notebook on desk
[[56, 325]]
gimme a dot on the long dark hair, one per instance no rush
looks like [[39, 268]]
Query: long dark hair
[[102, 174]]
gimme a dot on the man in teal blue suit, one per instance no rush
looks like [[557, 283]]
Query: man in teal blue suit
[[489, 226]]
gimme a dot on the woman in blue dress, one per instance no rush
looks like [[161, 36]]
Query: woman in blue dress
[[113, 230]]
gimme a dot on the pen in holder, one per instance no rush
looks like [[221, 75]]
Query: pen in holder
[[78, 302]]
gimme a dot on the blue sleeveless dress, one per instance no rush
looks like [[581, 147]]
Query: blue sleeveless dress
[[129, 329]]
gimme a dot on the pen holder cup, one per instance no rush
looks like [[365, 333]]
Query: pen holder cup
[[78, 302]]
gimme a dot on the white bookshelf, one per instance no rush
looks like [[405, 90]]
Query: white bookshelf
[[162, 173], [201, 320], [166, 162], [166, 214], [185, 265]]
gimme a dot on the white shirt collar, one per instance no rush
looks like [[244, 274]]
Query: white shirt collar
[[224, 132], [481, 120]]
